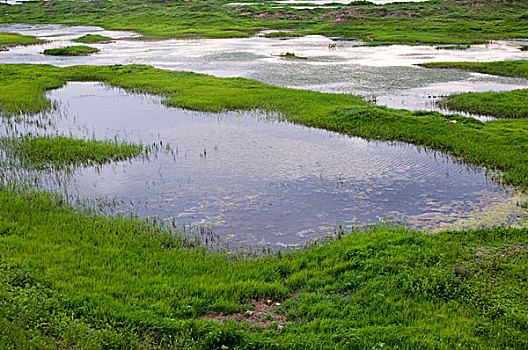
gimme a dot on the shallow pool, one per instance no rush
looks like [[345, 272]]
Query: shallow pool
[[256, 181]]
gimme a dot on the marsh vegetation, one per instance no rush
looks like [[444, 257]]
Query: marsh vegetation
[[10, 40], [72, 277], [506, 104]]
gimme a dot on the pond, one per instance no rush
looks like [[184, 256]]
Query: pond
[[386, 75], [256, 181]]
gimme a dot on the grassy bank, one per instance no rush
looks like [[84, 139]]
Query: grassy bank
[[71, 280], [10, 40], [499, 145], [433, 22], [61, 152], [79, 50], [508, 104]]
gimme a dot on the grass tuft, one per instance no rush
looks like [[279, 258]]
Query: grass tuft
[[71, 51]]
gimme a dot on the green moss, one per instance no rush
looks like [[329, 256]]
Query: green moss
[[71, 51], [93, 39]]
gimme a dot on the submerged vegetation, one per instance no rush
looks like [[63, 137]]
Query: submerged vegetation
[[93, 39], [9, 40], [79, 50], [499, 145], [507, 104], [435, 22], [75, 280], [62, 152]]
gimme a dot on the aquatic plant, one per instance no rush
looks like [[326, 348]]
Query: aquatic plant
[[62, 152], [453, 47], [291, 55]]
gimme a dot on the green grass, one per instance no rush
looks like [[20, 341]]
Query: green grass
[[93, 39], [71, 51], [508, 104], [61, 152], [10, 40], [434, 22], [74, 280], [499, 145]]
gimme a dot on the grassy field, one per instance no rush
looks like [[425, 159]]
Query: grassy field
[[79, 50], [74, 280], [499, 145], [508, 104], [435, 22], [9, 40]]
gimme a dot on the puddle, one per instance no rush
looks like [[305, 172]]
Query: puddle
[[256, 181], [386, 75]]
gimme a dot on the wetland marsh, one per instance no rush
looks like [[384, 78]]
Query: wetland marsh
[[120, 183], [387, 75], [255, 181]]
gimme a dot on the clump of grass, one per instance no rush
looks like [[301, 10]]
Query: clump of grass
[[291, 55], [93, 39], [453, 47], [59, 152], [79, 50], [524, 48]]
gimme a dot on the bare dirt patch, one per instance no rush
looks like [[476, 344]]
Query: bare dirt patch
[[263, 314]]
